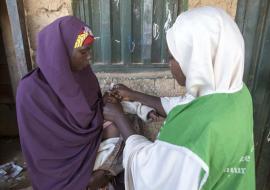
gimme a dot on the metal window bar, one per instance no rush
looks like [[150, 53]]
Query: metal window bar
[[130, 34]]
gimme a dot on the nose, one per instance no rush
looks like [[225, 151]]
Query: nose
[[88, 57]]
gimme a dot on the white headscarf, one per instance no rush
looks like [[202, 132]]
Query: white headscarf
[[209, 47]]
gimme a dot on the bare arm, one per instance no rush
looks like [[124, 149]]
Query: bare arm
[[114, 112], [126, 93], [151, 101], [124, 126]]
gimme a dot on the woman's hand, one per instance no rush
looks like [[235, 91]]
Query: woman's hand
[[112, 111], [153, 116], [109, 98], [122, 92]]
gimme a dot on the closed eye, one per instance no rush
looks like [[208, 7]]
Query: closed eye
[[85, 50]]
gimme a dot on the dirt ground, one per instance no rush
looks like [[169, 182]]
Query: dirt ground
[[10, 151]]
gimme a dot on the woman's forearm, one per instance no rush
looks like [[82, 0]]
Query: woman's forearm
[[151, 101], [124, 126]]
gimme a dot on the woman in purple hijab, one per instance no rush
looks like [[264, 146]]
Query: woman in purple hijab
[[59, 109]]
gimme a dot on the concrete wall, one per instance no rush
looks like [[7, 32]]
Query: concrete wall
[[154, 83], [229, 5], [41, 12]]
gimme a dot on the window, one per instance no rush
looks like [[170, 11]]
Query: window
[[130, 34]]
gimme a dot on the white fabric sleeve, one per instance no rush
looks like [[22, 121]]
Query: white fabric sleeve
[[136, 108], [168, 103], [161, 166]]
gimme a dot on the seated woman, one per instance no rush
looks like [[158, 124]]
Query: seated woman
[[206, 141], [59, 111]]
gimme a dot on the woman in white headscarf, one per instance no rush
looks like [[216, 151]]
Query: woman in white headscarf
[[206, 141]]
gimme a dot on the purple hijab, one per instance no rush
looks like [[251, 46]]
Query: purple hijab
[[59, 113]]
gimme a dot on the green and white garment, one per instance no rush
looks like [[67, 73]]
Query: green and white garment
[[207, 138], [204, 144]]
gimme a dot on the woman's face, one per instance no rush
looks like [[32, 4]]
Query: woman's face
[[176, 71], [80, 58]]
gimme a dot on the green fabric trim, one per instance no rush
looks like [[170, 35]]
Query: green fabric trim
[[219, 129]]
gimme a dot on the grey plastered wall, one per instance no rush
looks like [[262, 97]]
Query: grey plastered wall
[[153, 83]]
